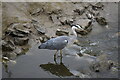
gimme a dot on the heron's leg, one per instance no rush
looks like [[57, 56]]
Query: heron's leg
[[61, 53], [60, 56], [55, 56]]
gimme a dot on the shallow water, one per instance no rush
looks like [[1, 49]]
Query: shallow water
[[40, 63]]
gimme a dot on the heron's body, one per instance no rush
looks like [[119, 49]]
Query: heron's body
[[60, 42], [57, 43]]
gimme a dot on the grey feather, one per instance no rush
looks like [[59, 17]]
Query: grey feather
[[57, 43]]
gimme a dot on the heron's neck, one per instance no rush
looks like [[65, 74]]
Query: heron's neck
[[74, 32]]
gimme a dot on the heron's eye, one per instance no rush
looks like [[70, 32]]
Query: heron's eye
[[66, 41]]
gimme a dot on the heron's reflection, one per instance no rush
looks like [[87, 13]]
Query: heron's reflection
[[59, 70]]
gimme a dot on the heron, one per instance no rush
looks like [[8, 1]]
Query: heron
[[60, 42]]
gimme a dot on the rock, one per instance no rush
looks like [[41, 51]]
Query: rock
[[7, 46], [44, 38], [57, 11], [61, 32], [18, 51], [82, 22], [80, 12], [95, 66], [94, 13], [97, 6], [12, 55], [21, 41], [63, 20], [27, 25], [17, 30], [89, 16], [54, 19], [14, 34], [37, 12], [69, 21], [101, 20], [21, 29], [40, 30], [66, 20], [87, 29]]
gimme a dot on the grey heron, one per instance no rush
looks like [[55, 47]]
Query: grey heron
[[60, 42]]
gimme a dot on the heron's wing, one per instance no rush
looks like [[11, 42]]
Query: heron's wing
[[55, 43]]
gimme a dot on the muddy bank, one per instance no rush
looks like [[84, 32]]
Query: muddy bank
[[26, 25]]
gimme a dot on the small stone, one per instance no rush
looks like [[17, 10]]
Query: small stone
[[60, 32], [101, 20]]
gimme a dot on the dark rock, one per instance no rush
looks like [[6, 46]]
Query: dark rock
[[61, 32], [57, 11], [66, 20], [17, 30], [97, 6], [69, 21], [15, 34], [101, 20], [37, 12], [21, 41], [80, 12], [87, 29], [63, 20], [21, 29], [7, 46]]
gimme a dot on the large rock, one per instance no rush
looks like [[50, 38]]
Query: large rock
[[21, 41], [60, 32], [7, 46]]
